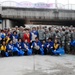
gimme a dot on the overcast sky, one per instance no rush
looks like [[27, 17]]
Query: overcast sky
[[65, 2], [46, 1]]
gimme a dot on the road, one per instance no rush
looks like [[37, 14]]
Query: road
[[38, 65]]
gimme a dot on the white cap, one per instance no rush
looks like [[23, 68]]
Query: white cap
[[27, 27]]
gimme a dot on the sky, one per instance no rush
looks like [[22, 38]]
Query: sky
[[64, 2], [46, 1]]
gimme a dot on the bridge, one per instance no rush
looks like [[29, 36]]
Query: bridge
[[11, 16]]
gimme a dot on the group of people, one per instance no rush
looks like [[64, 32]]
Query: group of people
[[55, 40]]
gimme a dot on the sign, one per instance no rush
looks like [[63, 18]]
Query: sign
[[35, 5], [27, 4]]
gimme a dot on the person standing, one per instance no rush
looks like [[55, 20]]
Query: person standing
[[14, 37], [26, 35], [33, 34], [41, 34], [67, 41], [72, 40], [47, 34]]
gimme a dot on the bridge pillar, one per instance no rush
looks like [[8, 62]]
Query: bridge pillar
[[0, 23], [8, 23], [3, 24]]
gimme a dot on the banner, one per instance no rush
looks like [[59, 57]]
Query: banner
[[27, 4]]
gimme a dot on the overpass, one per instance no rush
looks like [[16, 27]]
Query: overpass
[[11, 16]]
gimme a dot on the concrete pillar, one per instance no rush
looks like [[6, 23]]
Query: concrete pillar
[[0, 9], [0, 23], [8, 23], [3, 24]]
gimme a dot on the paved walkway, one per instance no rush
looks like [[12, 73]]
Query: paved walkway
[[38, 65]]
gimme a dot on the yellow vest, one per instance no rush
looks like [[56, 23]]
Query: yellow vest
[[56, 46], [3, 48], [7, 40]]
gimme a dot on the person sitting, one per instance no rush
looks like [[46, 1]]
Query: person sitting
[[19, 46], [11, 49], [49, 46], [56, 45], [3, 49], [57, 49], [37, 47], [26, 48], [44, 46]]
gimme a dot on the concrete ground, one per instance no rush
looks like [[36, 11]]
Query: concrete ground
[[38, 65]]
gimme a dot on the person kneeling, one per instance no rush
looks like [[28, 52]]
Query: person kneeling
[[3, 49], [19, 46], [37, 47], [57, 50], [11, 49], [26, 48], [49, 46]]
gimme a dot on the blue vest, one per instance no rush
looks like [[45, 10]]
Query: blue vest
[[35, 34], [50, 44], [37, 43], [10, 47], [24, 45], [19, 45]]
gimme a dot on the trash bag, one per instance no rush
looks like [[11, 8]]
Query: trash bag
[[29, 52], [42, 51], [15, 49], [72, 43], [59, 51], [21, 53]]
